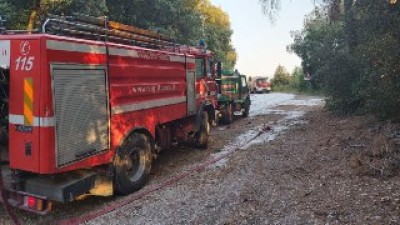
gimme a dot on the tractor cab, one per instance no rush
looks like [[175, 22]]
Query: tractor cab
[[233, 97]]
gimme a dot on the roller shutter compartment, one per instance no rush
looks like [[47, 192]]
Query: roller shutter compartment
[[80, 95]]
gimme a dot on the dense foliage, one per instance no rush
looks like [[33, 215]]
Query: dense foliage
[[218, 32], [351, 50], [187, 21], [296, 81], [281, 76]]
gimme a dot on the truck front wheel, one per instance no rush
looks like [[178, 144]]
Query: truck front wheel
[[132, 164], [202, 134]]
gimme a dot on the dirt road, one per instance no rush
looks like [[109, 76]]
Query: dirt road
[[290, 162]]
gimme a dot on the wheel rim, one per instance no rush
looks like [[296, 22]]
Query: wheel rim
[[134, 165]]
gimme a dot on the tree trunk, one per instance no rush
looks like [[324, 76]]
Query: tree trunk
[[349, 24], [34, 15]]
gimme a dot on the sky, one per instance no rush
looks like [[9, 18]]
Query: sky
[[260, 45]]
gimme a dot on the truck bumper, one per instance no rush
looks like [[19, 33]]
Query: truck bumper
[[61, 188], [37, 193]]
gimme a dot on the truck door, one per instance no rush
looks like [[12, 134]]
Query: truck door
[[191, 89]]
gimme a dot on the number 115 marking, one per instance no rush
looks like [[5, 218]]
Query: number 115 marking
[[24, 63]]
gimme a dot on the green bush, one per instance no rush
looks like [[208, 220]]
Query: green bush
[[294, 83], [354, 58], [340, 84]]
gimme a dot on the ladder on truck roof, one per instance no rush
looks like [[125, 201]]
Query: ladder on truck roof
[[102, 29]]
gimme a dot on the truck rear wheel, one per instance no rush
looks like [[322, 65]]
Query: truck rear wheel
[[132, 164], [202, 134]]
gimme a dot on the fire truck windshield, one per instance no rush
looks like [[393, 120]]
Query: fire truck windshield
[[262, 81], [199, 67]]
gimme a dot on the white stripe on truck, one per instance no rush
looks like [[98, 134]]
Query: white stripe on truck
[[37, 121], [75, 47], [97, 49], [147, 105]]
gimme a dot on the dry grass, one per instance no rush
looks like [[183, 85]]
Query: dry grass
[[379, 155]]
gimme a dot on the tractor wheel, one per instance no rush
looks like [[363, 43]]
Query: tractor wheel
[[202, 135], [246, 109], [229, 114], [132, 164]]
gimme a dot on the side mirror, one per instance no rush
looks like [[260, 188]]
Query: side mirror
[[219, 69]]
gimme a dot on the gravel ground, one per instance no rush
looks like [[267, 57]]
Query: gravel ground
[[305, 167], [226, 194], [168, 164], [305, 176]]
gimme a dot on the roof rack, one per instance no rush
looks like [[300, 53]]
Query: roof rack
[[102, 29]]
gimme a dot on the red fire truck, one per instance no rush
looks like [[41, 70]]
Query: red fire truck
[[88, 112]]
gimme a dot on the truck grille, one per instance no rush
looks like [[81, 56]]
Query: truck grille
[[81, 112]]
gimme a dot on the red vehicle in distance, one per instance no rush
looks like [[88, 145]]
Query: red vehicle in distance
[[259, 85]]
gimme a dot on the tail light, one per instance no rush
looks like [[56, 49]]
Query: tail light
[[33, 203], [30, 202]]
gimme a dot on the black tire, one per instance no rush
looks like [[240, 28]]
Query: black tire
[[203, 134], [246, 109], [229, 114], [132, 164]]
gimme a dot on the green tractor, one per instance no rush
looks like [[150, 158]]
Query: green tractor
[[233, 97]]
